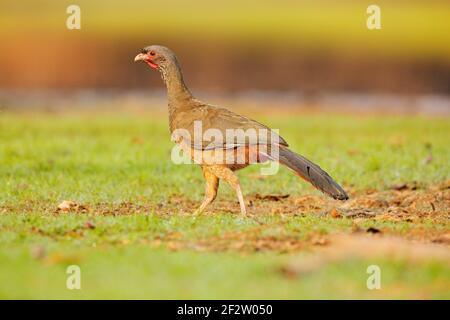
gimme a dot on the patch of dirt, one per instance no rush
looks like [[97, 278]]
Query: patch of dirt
[[405, 203], [248, 241], [347, 247], [6, 209], [122, 208], [402, 202], [409, 204]]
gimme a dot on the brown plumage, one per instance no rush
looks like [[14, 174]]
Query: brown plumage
[[220, 158]]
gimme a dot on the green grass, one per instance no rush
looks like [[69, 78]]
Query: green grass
[[105, 160], [95, 158]]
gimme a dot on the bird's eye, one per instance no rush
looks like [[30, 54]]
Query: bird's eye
[[152, 53]]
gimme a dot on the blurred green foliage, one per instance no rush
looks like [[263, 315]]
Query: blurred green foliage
[[409, 28]]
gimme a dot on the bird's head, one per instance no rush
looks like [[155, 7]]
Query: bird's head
[[157, 57]]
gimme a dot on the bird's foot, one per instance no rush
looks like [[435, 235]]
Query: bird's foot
[[243, 211], [197, 212]]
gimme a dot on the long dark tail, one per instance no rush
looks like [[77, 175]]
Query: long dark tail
[[312, 173]]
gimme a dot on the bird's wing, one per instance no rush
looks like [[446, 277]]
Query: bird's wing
[[215, 122]]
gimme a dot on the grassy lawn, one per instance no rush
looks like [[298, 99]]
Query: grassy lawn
[[132, 232]]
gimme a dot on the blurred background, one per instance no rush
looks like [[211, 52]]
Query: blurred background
[[296, 53]]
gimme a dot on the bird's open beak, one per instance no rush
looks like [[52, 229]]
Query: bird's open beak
[[147, 59], [141, 57]]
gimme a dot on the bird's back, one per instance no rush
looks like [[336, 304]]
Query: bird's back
[[234, 128]]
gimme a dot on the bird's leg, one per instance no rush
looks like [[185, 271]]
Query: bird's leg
[[228, 175], [241, 199], [212, 184]]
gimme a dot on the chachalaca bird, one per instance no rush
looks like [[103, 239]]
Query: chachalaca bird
[[185, 111]]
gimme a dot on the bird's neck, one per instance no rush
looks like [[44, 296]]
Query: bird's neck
[[177, 92]]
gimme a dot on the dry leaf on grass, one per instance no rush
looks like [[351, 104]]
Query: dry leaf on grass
[[271, 197], [310, 202], [335, 214], [67, 206]]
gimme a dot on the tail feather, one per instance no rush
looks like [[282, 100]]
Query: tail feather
[[311, 173]]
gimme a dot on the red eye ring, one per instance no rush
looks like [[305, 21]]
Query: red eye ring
[[152, 53]]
